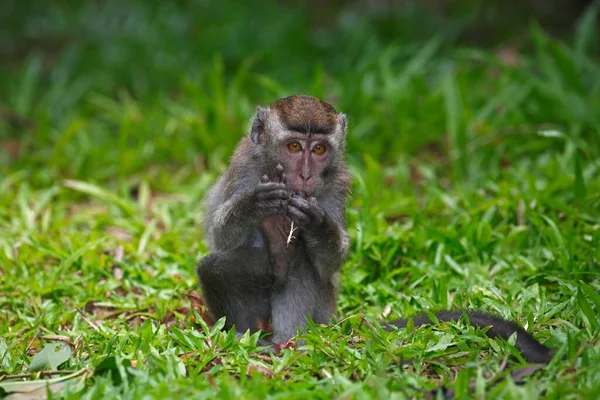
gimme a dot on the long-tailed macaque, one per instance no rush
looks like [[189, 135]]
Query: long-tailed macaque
[[275, 225]]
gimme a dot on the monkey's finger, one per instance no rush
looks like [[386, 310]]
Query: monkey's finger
[[264, 179], [300, 203], [277, 173], [315, 209], [276, 194], [310, 208], [297, 215], [271, 190], [271, 203], [270, 208], [283, 178], [269, 186]]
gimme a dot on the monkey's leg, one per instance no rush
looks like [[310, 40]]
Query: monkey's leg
[[302, 296], [236, 284]]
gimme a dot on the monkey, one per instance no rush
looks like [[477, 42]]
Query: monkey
[[254, 275], [275, 227]]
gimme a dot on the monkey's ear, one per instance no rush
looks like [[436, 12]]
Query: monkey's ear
[[257, 132], [343, 122]]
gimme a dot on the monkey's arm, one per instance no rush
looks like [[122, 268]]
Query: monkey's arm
[[530, 348], [323, 231], [229, 222]]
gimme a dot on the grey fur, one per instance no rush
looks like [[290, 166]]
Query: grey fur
[[241, 270]]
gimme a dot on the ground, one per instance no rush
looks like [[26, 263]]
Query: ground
[[475, 185]]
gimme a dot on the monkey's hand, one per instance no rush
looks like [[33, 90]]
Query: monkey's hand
[[270, 196], [326, 240], [306, 213], [235, 218], [269, 199]]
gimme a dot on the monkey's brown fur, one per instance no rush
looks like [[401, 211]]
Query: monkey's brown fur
[[306, 114]]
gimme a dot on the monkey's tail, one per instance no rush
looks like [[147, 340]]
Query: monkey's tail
[[532, 350]]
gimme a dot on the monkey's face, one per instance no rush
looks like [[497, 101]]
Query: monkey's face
[[306, 136], [305, 158]]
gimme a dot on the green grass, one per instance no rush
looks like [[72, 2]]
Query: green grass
[[475, 185]]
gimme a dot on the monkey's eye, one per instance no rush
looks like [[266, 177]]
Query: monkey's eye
[[294, 146], [319, 149]]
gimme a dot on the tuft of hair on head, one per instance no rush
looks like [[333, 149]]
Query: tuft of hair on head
[[301, 114], [306, 114]]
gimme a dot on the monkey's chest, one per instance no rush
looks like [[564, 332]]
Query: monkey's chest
[[280, 233], [282, 238]]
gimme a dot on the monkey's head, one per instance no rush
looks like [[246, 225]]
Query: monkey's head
[[305, 135]]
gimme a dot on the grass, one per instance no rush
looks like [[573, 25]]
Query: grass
[[475, 185]]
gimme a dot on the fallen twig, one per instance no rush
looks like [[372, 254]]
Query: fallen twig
[[291, 234], [86, 319]]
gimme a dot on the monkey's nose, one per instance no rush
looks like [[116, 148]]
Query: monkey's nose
[[305, 178]]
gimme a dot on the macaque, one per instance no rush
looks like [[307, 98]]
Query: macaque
[[275, 226]]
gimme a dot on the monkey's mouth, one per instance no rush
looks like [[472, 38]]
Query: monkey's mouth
[[302, 194], [303, 190], [305, 194]]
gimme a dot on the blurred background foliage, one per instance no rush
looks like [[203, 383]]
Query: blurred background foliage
[[474, 144], [104, 89]]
